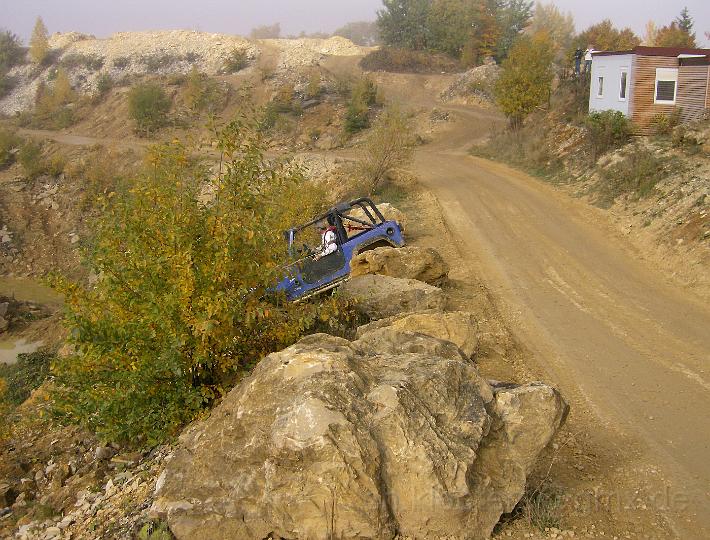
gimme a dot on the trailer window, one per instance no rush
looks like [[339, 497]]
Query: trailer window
[[624, 83], [600, 87], [666, 85]]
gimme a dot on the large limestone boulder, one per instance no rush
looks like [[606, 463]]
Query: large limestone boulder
[[458, 327], [391, 340], [384, 296], [411, 262], [325, 440]]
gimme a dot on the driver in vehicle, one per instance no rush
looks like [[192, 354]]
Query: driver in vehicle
[[329, 240]]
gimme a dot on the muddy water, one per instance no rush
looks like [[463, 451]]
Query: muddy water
[[9, 349], [29, 290], [26, 290]]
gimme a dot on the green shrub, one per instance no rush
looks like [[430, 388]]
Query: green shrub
[[357, 117], [269, 118], [236, 61], [365, 91], [100, 171], [389, 145], [56, 165], [53, 109], [11, 51], [89, 61], [63, 118], [184, 305], [363, 95], [408, 61], [314, 88], [121, 62], [26, 375], [148, 106], [636, 175], [285, 99], [202, 93], [9, 143], [104, 84], [7, 83], [663, 124], [160, 60], [607, 130], [31, 159]]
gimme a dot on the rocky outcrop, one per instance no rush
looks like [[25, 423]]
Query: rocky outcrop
[[328, 440], [458, 327], [379, 297], [410, 262]]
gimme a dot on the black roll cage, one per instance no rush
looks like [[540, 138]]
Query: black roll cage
[[339, 212]]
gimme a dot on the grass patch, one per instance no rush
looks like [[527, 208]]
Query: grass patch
[[524, 148], [636, 175], [540, 507], [155, 530]]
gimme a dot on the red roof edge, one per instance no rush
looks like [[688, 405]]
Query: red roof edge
[[642, 50]]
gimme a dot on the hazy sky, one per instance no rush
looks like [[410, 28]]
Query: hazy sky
[[102, 17]]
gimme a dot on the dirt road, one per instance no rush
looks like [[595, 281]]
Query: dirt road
[[616, 336], [71, 139]]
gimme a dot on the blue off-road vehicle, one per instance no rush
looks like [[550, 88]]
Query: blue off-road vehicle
[[350, 228]]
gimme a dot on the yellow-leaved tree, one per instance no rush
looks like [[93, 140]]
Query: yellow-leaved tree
[[187, 260], [526, 77], [39, 42]]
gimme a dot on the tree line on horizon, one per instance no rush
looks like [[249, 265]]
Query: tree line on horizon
[[472, 30]]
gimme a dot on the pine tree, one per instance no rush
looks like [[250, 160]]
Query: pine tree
[[39, 42], [685, 22]]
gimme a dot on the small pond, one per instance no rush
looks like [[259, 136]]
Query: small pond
[[10, 348]]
